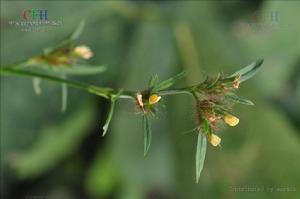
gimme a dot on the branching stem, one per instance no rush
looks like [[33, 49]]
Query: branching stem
[[100, 91]]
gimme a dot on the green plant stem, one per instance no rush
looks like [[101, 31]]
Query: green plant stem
[[103, 92], [175, 92], [100, 91]]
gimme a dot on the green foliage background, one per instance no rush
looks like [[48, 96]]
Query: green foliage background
[[62, 155]]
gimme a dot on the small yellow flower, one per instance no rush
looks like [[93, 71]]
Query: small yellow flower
[[153, 99], [214, 139], [83, 52], [231, 120]]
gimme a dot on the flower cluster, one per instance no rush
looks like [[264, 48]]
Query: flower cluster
[[146, 102], [214, 100], [66, 56], [214, 106]]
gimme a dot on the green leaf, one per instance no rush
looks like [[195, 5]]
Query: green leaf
[[147, 134], [69, 70], [64, 97], [220, 109], [109, 117], [213, 83], [237, 99], [110, 112], [200, 154], [36, 83], [206, 126], [77, 32], [169, 82], [249, 71], [68, 41], [80, 69], [207, 130], [153, 81]]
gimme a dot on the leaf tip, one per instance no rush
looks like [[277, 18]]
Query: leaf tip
[[147, 135], [260, 61], [104, 131]]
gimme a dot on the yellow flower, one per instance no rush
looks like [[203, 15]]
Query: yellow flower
[[214, 139], [153, 99], [83, 52], [231, 120]]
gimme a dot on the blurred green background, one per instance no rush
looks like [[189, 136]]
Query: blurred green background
[[54, 155]]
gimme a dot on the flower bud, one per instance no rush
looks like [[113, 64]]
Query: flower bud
[[231, 120], [139, 98], [214, 139], [236, 82], [83, 52], [153, 99]]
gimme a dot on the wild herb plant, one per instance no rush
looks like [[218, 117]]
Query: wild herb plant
[[214, 97]]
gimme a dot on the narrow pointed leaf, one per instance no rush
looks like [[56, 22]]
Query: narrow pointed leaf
[[200, 154], [77, 32], [169, 82], [237, 99], [213, 83], [222, 110], [109, 116], [153, 81], [64, 97], [81, 69], [206, 127], [36, 85], [68, 70], [147, 134], [249, 71], [68, 41], [113, 100]]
